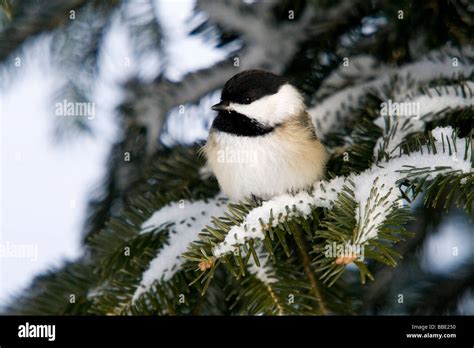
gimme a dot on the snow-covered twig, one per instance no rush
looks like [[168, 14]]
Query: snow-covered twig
[[360, 69], [375, 190], [185, 220], [431, 105], [338, 107], [274, 211]]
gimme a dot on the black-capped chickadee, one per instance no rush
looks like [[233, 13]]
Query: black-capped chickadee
[[262, 142]]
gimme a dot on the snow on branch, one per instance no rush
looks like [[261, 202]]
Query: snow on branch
[[337, 108], [143, 26], [374, 190], [411, 115], [185, 220], [361, 69], [263, 272], [274, 211], [266, 45], [49, 16]]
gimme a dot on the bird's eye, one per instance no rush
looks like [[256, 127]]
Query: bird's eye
[[247, 100]]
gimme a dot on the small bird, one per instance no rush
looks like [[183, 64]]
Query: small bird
[[262, 142]]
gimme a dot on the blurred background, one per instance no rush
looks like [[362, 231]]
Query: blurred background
[[52, 166], [146, 73]]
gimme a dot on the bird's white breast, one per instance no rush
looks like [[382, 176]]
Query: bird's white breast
[[264, 166]]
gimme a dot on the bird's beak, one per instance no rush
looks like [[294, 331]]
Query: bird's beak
[[222, 106]]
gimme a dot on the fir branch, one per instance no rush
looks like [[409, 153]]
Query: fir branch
[[185, 220], [61, 291], [76, 51], [433, 104], [360, 69], [338, 107], [373, 191], [24, 25], [254, 296], [144, 27], [308, 270]]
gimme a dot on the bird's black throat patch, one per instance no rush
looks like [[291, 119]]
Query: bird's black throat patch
[[234, 123]]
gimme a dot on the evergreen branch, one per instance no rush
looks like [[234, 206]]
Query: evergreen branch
[[179, 169], [151, 281], [448, 100], [24, 25], [256, 296], [373, 191], [187, 219], [288, 292], [143, 26], [62, 291], [76, 51], [255, 286], [122, 269], [124, 250], [308, 270], [338, 107], [445, 293]]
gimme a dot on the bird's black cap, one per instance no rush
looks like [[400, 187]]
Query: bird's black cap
[[250, 85]]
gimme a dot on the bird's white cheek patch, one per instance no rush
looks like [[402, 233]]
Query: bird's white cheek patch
[[273, 109], [259, 110]]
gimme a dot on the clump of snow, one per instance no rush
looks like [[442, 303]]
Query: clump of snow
[[187, 220], [375, 191]]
